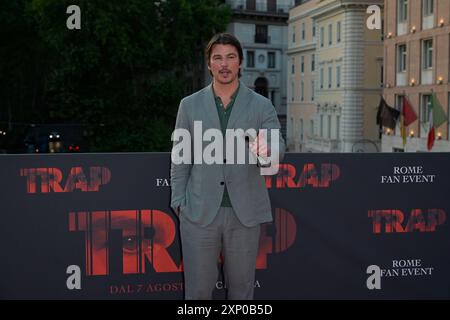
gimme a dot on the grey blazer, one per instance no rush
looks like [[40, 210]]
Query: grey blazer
[[198, 188]]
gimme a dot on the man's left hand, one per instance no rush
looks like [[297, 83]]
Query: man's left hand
[[259, 145]]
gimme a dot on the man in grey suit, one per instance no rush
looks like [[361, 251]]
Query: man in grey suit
[[221, 205]]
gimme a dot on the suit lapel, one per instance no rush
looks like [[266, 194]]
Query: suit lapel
[[240, 105], [209, 106]]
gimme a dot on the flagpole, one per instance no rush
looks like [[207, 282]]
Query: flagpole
[[402, 121], [431, 137]]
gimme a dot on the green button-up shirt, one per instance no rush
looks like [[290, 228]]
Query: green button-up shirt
[[224, 116]]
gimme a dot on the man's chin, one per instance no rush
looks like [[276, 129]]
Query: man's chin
[[226, 81]]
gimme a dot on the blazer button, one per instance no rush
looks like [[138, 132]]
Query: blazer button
[[224, 160], [222, 183]]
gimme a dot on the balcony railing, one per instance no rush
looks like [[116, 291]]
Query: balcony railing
[[322, 145], [269, 6], [262, 38]]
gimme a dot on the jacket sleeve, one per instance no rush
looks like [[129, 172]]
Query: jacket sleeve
[[271, 123], [179, 173]]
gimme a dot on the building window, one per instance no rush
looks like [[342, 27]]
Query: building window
[[303, 31], [425, 108], [330, 34], [321, 78], [250, 59], [251, 5], [401, 58], [427, 14], [402, 10], [271, 5], [292, 127], [293, 66], [314, 30], [338, 76], [261, 34], [292, 91], [302, 91], [428, 7], [338, 32], [313, 62], [312, 90], [293, 34], [399, 102], [398, 105], [428, 54], [311, 128], [330, 77], [271, 60], [322, 36], [301, 129], [302, 65], [338, 127], [329, 127], [321, 125]]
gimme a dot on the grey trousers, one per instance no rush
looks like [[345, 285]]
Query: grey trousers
[[201, 247]]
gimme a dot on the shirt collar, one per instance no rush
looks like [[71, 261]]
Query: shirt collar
[[233, 96]]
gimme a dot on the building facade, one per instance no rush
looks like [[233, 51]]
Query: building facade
[[302, 65], [261, 27], [335, 78], [417, 64]]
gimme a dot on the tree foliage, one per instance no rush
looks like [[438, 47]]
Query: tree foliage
[[23, 64], [124, 73]]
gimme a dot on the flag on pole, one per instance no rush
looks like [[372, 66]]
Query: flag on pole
[[437, 118], [408, 117], [386, 115]]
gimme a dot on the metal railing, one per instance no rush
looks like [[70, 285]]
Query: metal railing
[[271, 6], [262, 38], [322, 144]]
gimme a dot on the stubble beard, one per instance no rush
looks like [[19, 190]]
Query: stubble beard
[[226, 81]]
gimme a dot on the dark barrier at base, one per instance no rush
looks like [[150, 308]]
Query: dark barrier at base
[[347, 226]]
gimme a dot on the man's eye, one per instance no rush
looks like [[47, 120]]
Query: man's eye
[[129, 243]]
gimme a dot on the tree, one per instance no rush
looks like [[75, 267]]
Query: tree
[[23, 66], [124, 73]]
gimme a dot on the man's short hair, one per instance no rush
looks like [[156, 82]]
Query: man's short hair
[[225, 38]]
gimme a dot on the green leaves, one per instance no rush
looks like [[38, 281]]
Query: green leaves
[[125, 71]]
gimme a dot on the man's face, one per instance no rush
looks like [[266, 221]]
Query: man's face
[[224, 63]]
